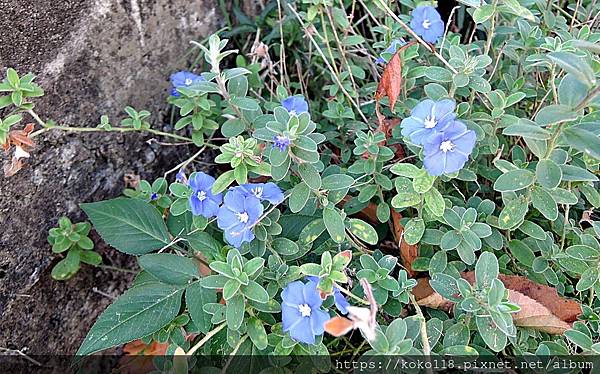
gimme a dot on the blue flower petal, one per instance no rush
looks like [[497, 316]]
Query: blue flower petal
[[301, 331], [293, 294], [295, 104], [340, 301], [317, 321], [312, 296]]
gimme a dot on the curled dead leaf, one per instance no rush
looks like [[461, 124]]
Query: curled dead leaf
[[542, 308], [391, 81]]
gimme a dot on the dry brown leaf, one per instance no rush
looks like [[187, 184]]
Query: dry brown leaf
[[536, 316], [408, 253], [139, 357], [391, 81], [542, 308], [565, 309]]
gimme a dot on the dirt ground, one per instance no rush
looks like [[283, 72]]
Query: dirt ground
[[92, 57]]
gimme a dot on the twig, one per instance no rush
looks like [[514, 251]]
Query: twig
[[96, 290], [232, 354], [424, 337], [206, 338], [20, 353], [314, 42]]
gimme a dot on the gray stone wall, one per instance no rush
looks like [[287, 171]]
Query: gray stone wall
[[92, 57]]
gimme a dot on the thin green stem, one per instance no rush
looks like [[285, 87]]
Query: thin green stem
[[206, 338]]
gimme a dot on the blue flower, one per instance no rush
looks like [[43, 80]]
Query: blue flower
[[154, 196], [262, 191], [340, 301], [301, 312], [180, 177], [281, 142], [184, 79], [448, 150], [237, 216], [202, 201], [427, 23], [391, 50], [427, 118], [295, 104]]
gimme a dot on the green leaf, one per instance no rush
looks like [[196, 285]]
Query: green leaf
[[223, 181], [298, 197], [483, 13], [334, 224], [245, 103], [575, 65], [170, 268], [435, 202], [493, 337], [531, 229], [486, 269], [235, 312], [548, 173], [555, 114], [579, 338], [256, 292], [571, 91], [363, 231], [423, 182], [130, 225], [67, 267], [576, 174], [527, 131], [587, 280], [521, 252], [413, 231], [446, 286], [438, 74], [514, 180], [285, 246], [513, 213], [310, 175], [405, 170], [583, 140], [514, 7], [544, 203], [139, 312], [337, 182], [196, 297], [257, 333]]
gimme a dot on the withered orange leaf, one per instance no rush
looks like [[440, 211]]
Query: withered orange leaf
[[408, 253], [542, 308], [391, 81], [565, 309]]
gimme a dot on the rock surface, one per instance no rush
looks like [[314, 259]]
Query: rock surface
[[92, 57]]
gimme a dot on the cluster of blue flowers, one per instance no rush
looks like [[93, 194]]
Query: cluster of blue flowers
[[301, 313], [446, 141], [238, 211], [183, 79]]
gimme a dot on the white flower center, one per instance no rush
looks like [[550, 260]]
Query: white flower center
[[201, 195], [430, 122], [446, 146], [304, 310], [188, 82], [426, 24], [258, 191], [239, 154], [242, 217]]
